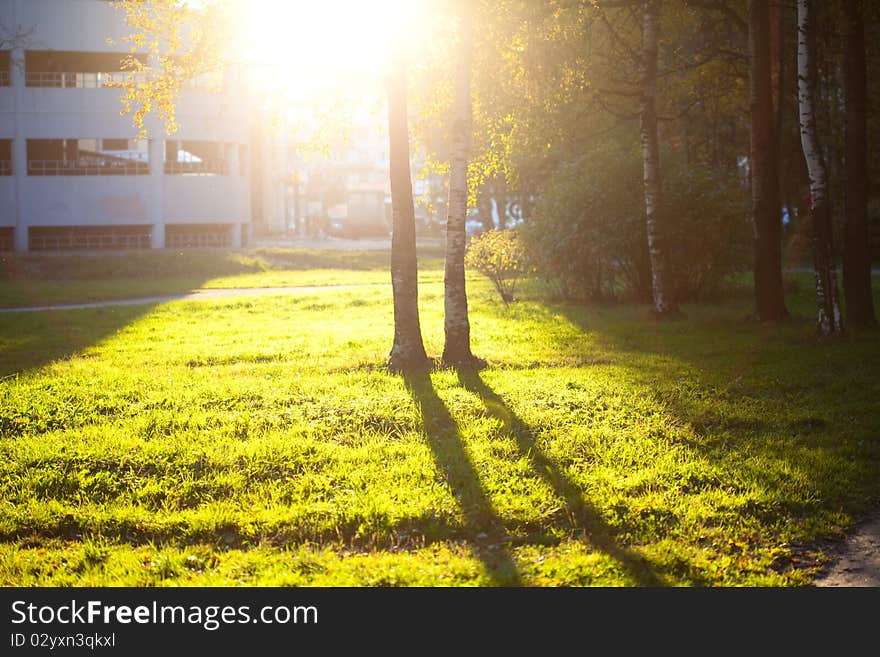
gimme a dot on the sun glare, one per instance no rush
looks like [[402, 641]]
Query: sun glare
[[308, 47]]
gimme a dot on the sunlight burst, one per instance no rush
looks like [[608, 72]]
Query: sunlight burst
[[306, 47]]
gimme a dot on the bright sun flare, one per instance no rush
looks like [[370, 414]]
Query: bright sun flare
[[314, 45]]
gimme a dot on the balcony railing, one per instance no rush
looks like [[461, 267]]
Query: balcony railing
[[59, 80], [4, 78], [75, 240], [5, 168], [197, 240], [91, 168], [203, 168], [76, 80]]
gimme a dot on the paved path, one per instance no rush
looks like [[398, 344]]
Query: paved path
[[339, 243], [196, 295]]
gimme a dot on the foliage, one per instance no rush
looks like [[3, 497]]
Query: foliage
[[710, 229], [259, 441], [588, 234], [499, 255], [170, 43]]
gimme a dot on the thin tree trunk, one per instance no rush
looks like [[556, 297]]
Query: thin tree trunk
[[408, 351], [457, 348], [777, 69], [664, 304], [764, 166], [828, 321], [484, 207], [857, 255], [499, 188]]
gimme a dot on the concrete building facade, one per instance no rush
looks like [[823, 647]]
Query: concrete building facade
[[73, 174]]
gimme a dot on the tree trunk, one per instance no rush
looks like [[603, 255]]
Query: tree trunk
[[664, 304], [408, 351], [828, 321], [499, 188], [764, 165], [777, 70], [457, 348], [856, 255], [484, 207]]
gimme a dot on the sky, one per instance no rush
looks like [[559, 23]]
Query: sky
[[315, 47]]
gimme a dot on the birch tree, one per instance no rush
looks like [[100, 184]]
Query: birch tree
[[856, 255], [828, 320], [664, 303], [457, 347]]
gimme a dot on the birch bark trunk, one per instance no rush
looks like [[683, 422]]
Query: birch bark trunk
[[457, 348], [828, 320], [407, 351], [664, 303]]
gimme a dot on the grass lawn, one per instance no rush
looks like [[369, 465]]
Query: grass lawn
[[260, 441], [60, 279]]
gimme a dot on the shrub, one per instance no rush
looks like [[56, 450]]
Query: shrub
[[499, 255], [588, 236]]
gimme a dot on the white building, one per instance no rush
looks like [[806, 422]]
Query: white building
[[72, 174]]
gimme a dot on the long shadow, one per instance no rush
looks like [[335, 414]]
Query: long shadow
[[580, 513], [29, 340], [447, 447], [35, 339], [779, 372], [761, 401]]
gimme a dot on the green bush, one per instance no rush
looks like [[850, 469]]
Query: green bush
[[588, 235], [499, 255]]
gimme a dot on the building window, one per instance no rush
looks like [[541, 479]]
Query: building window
[[87, 157], [75, 70], [195, 158], [5, 157], [5, 60]]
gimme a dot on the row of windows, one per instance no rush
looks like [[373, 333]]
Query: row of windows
[[96, 157], [98, 80], [79, 70], [75, 238]]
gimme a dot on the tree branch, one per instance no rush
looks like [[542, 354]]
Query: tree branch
[[724, 8]]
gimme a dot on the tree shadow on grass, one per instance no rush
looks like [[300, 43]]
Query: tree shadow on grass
[[30, 340], [581, 514], [447, 447], [781, 423]]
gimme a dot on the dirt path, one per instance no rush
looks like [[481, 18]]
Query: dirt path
[[857, 558]]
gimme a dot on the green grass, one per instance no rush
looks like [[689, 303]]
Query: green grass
[[260, 441], [36, 280]]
